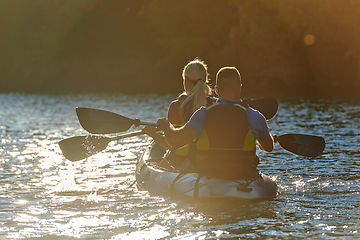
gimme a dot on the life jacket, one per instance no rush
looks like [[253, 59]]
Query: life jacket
[[188, 149], [226, 148]]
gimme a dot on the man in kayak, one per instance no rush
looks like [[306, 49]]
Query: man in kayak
[[226, 133]]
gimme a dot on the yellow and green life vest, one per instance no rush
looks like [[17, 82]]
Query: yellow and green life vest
[[226, 148]]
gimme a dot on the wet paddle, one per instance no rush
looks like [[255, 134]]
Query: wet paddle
[[301, 144], [104, 122], [81, 147]]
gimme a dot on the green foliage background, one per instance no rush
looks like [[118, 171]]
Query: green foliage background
[[141, 46]]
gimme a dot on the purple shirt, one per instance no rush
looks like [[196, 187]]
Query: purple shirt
[[257, 122]]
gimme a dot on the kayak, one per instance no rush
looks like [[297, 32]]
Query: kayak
[[175, 183], [181, 185]]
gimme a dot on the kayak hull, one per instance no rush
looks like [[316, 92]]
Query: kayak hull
[[190, 185]]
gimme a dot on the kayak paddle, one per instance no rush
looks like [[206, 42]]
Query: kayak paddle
[[267, 106], [301, 144], [81, 147], [104, 122]]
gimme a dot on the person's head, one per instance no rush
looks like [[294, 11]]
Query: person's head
[[193, 73], [228, 83], [195, 80]]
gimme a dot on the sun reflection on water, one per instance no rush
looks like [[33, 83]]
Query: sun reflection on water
[[45, 196]]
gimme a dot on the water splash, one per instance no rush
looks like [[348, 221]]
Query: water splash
[[67, 183], [92, 197]]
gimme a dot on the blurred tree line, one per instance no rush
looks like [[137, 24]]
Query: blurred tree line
[[281, 47]]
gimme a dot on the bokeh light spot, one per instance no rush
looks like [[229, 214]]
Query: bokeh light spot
[[309, 39]]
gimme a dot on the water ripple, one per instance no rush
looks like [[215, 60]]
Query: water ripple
[[44, 195]]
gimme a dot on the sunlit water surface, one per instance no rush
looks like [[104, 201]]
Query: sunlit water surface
[[45, 196]]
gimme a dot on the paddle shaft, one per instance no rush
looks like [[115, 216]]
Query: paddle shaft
[[148, 124], [98, 121], [127, 135], [81, 147]]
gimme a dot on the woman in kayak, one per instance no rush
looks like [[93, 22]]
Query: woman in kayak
[[196, 94]]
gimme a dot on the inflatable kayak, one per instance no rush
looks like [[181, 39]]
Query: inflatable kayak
[[186, 185]]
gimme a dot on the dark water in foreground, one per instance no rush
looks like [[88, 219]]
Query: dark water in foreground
[[44, 196]]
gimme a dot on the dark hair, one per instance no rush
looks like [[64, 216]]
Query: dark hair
[[228, 72]]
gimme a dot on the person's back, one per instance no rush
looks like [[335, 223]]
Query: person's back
[[229, 149], [226, 132], [196, 94]]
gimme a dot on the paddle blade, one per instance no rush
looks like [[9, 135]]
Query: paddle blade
[[102, 122], [301, 144], [267, 106], [81, 147]]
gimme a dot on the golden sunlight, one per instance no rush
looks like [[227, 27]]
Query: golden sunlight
[[309, 39]]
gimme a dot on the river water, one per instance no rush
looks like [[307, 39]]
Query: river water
[[44, 196]]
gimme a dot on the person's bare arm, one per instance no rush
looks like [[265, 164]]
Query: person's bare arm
[[173, 112], [177, 137], [266, 146], [159, 138], [174, 118]]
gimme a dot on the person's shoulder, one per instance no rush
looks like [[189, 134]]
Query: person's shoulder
[[200, 112], [182, 97], [210, 100], [254, 113], [175, 102], [173, 112], [250, 110], [198, 117]]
